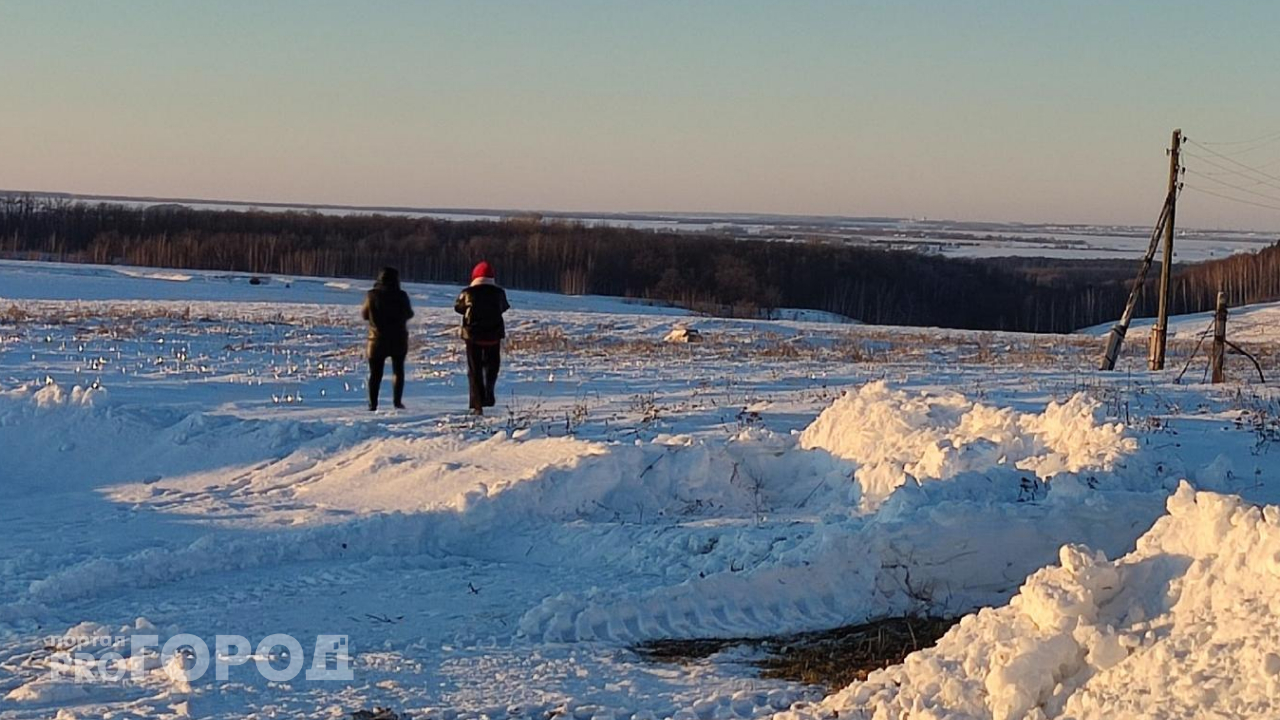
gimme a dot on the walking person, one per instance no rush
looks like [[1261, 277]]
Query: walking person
[[387, 309], [481, 305]]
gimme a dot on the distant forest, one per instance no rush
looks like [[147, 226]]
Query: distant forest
[[708, 272]]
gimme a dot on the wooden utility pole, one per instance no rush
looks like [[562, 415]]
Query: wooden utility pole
[[1219, 338], [1116, 337], [1160, 333]]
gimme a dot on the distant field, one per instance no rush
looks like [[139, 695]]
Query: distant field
[[945, 237]]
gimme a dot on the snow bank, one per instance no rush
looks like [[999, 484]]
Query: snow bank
[[63, 452], [512, 478], [78, 437], [942, 547], [751, 535], [1181, 627], [353, 496], [948, 559], [895, 437]]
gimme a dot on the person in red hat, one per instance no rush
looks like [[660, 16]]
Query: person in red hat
[[481, 305]]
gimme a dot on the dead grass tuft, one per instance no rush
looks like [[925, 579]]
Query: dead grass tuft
[[537, 341], [14, 314]]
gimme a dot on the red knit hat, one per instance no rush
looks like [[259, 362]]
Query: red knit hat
[[481, 270]]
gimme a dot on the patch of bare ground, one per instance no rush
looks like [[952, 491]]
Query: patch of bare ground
[[830, 659]]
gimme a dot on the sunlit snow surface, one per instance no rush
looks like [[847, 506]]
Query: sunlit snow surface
[[189, 452]]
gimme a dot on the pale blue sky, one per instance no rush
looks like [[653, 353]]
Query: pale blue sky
[[1031, 110]]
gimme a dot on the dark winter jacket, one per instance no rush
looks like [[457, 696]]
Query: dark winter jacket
[[387, 309], [481, 306]]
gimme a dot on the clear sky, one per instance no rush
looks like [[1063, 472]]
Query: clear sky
[[1034, 110]]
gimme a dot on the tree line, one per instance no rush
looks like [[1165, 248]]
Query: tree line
[[711, 272]]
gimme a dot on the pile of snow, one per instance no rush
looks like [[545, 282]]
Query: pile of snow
[[896, 437], [346, 494], [1181, 627], [948, 559], [886, 545], [513, 478]]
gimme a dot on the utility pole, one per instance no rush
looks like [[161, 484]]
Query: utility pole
[[1116, 337], [1219, 338], [1160, 333]]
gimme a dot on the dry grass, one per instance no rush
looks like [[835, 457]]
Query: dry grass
[[830, 659], [14, 314], [879, 346], [537, 341], [862, 346], [835, 658]]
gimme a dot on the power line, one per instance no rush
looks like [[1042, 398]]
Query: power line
[[1210, 178], [1228, 197], [1263, 138], [1211, 151], [1248, 148], [1259, 166], [1233, 171]]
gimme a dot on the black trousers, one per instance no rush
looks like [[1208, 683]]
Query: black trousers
[[483, 363], [378, 354]]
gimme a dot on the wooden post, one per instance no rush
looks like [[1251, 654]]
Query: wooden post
[[1115, 338], [1219, 338], [1159, 333]]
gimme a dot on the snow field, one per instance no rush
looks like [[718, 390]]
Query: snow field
[[535, 481], [463, 488], [204, 465]]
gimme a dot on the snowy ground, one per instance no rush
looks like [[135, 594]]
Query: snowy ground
[[185, 452]]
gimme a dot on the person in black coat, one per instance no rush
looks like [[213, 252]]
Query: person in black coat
[[481, 305], [387, 309]]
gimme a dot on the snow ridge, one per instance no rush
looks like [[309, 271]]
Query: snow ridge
[[890, 544], [1090, 636]]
